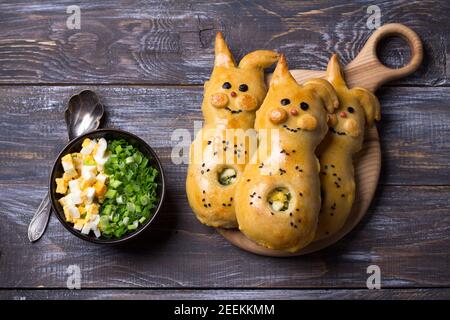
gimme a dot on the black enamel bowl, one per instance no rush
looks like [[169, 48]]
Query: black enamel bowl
[[75, 146]]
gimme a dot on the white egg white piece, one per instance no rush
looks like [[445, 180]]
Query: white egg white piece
[[88, 173], [101, 178], [75, 198], [97, 233], [86, 228], [68, 167], [74, 186], [96, 220], [89, 148], [100, 156], [90, 193], [75, 213]]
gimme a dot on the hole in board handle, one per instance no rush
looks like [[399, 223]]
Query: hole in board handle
[[393, 52]]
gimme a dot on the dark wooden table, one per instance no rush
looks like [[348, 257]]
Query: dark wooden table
[[148, 60]]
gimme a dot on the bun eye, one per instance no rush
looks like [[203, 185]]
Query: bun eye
[[243, 87], [350, 109], [304, 106], [285, 102], [226, 85]]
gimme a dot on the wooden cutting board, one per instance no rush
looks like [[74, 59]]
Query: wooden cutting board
[[368, 72]]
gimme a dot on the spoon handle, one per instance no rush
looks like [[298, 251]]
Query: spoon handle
[[40, 220]]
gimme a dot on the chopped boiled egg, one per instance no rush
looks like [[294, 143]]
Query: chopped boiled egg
[[61, 186], [74, 186], [88, 173], [68, 165], [88, 146], [84, 185], [90, 193], [100, 155]]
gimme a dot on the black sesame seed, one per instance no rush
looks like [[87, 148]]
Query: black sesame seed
[[243, 87], [297, 209], [209, 141], [350, 109], [224, 204], [229, 204], [342, 195], [205, 206], [226, 85], [285, 102], [301, 194], [304, 106], [251, 203], [248, 180]]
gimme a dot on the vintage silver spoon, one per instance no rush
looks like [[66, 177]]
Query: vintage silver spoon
[[83, 114]]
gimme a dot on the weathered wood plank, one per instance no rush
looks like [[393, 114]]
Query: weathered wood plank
[[126, 41], [415, 128], [406, 233], [230, 294]]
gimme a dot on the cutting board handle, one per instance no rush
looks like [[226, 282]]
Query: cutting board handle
[[366, 69]]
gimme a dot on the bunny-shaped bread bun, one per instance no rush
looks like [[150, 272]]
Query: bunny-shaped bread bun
[[278, 198], [358, 108], [217, 156]]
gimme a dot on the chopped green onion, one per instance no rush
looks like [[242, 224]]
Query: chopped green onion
[[132, 190]]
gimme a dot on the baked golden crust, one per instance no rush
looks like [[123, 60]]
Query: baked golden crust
[[231, 98], [285, 170], [358, 108]]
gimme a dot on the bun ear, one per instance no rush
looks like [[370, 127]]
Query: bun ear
[[370, 104], [281, 75], [223, 58], [335, 73], [259, 59], [325, 91]]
